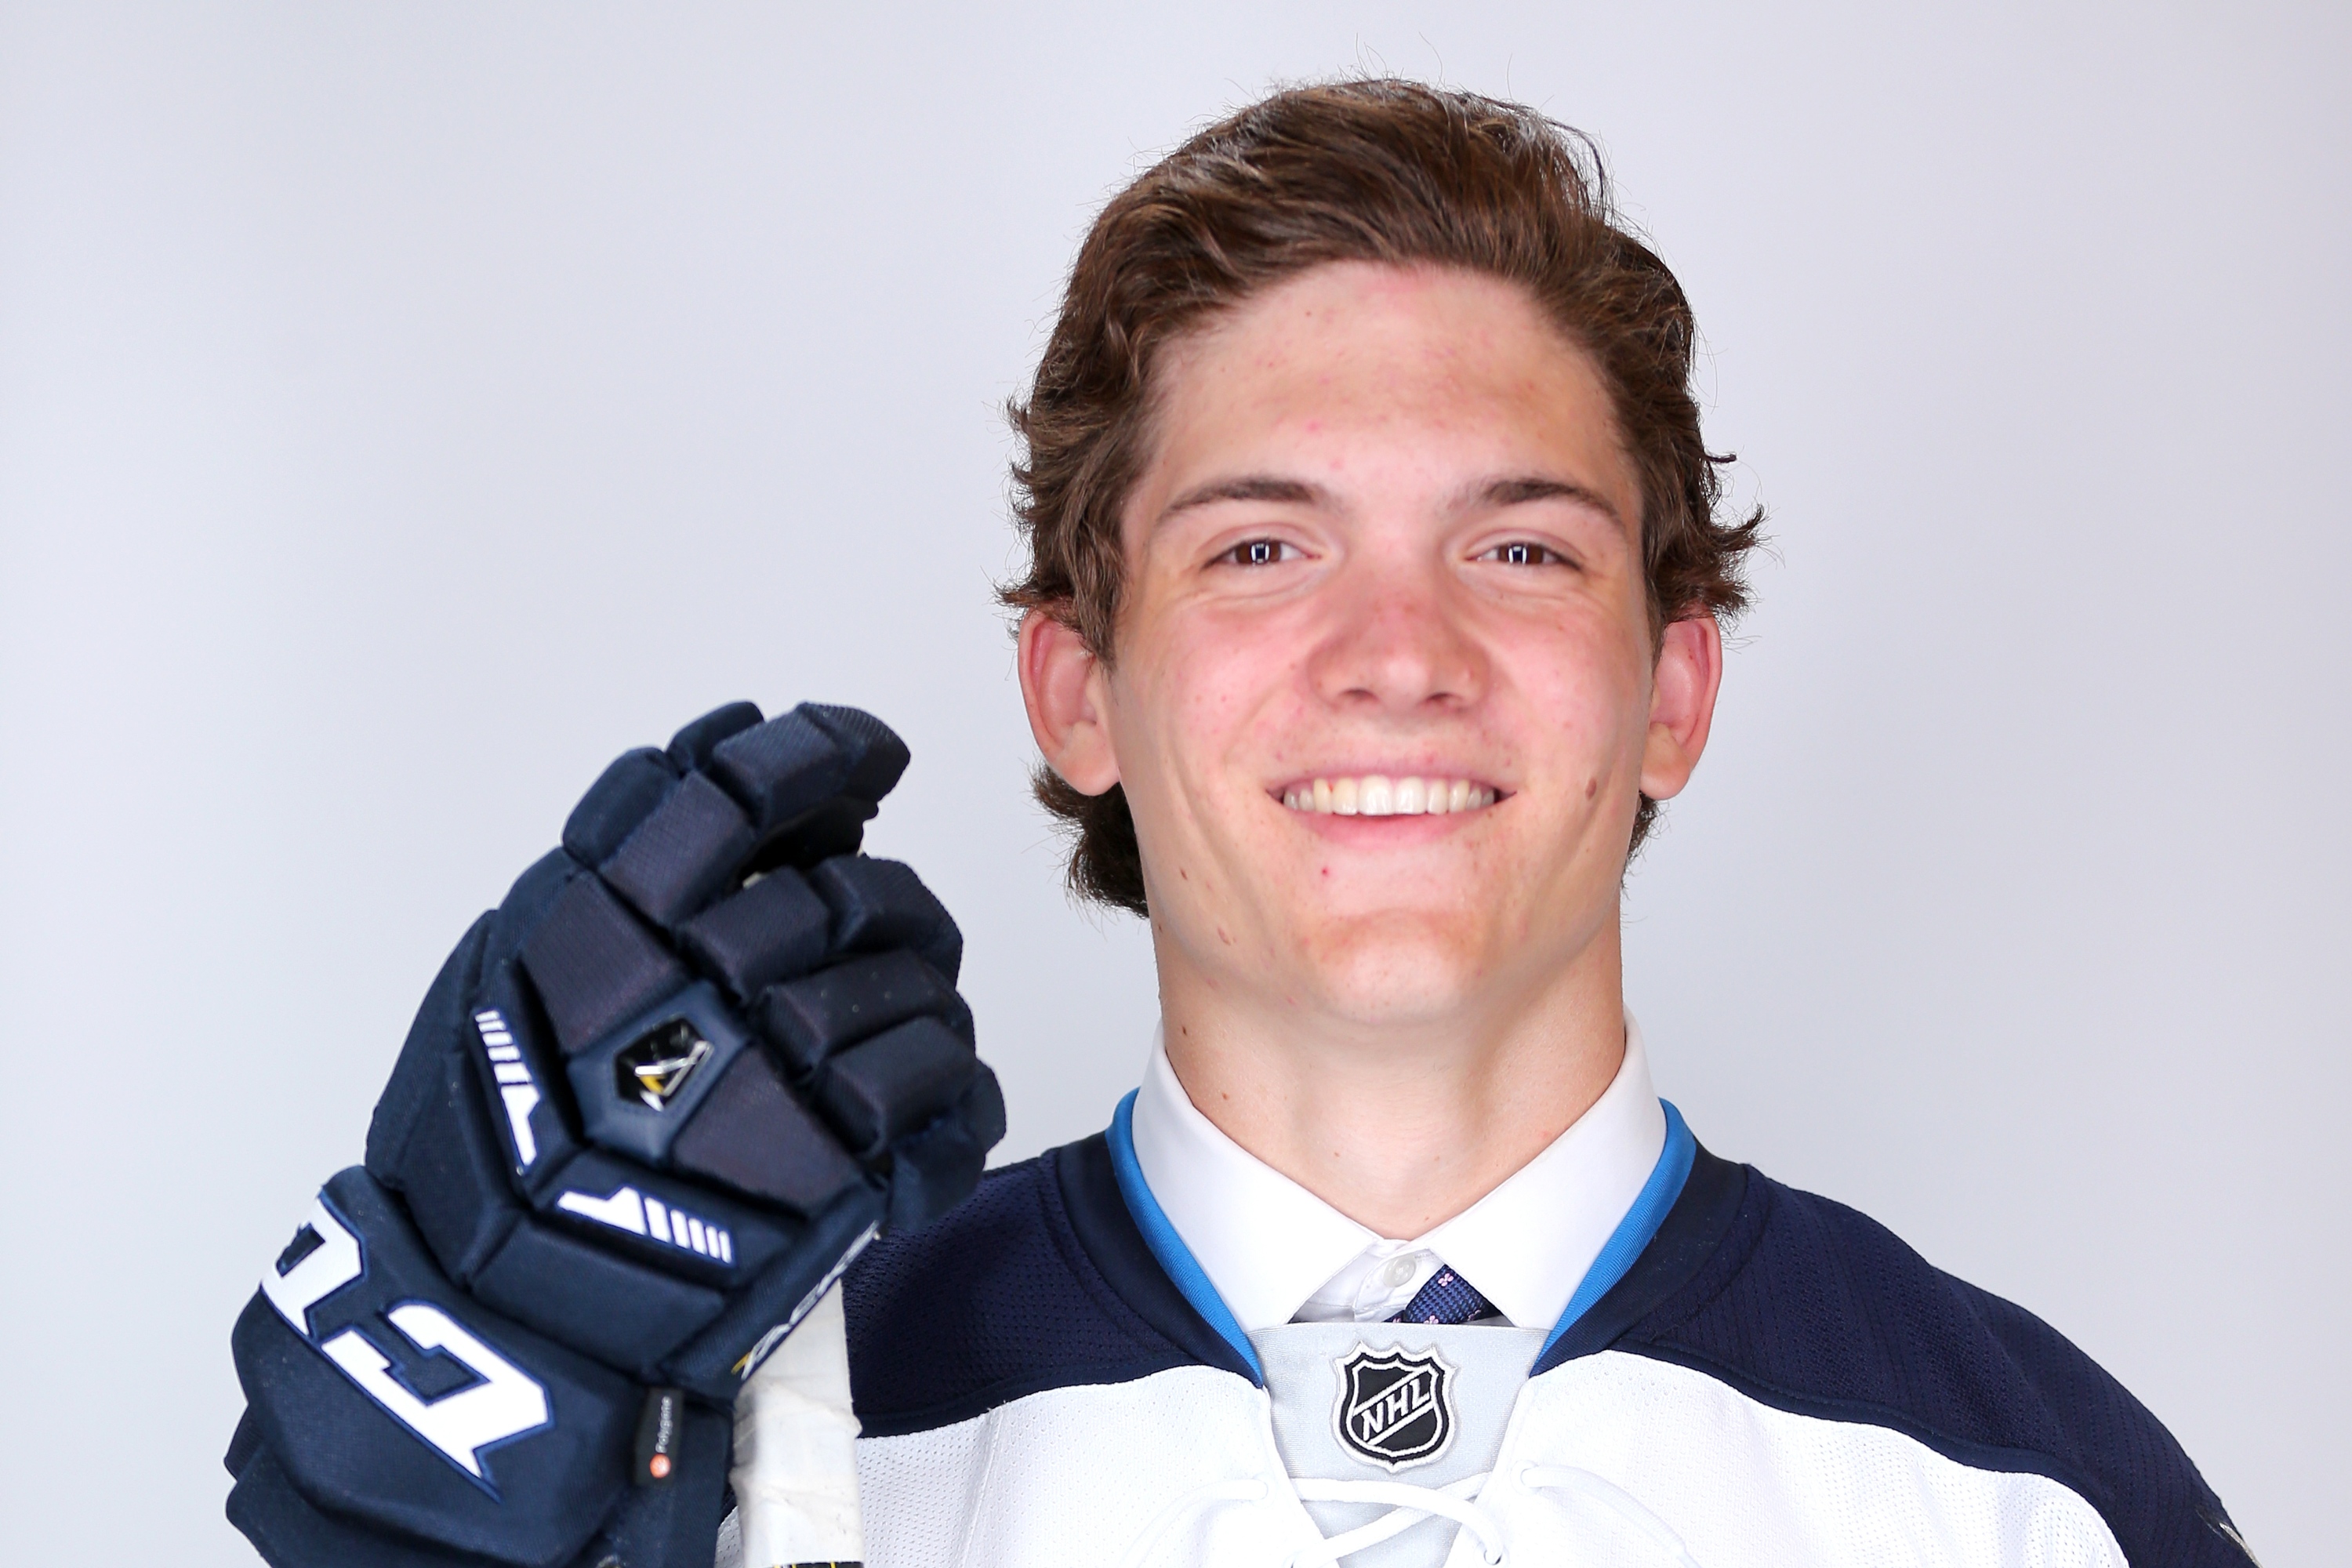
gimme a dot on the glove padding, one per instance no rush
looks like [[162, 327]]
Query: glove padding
[[652, 1107]]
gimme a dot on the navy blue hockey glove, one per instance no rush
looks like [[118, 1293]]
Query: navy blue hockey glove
[[653, 1106]]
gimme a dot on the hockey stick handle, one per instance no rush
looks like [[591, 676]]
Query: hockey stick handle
[[795, 1469]]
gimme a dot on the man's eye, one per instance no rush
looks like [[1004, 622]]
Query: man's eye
[[1258, 552], [1525, 552]]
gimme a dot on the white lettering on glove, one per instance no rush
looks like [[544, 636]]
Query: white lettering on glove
[[506, 1404], [326, 1268]]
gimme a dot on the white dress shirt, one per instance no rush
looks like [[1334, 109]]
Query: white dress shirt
[[1278, 1254]]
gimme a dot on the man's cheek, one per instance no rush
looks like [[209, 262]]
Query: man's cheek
[[1230, 704]]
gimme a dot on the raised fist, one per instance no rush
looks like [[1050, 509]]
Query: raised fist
[[653, 1106]]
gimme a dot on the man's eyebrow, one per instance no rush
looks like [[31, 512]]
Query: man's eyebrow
[[1519, 491], [1248, 486]]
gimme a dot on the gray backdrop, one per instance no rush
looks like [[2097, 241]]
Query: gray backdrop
[[405, 408]]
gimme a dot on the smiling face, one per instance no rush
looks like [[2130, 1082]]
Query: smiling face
[[1384, 556]]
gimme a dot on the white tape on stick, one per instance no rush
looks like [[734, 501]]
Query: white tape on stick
[[795, 1473]]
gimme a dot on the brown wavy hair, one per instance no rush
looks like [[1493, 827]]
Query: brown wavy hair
[[1379, 171]]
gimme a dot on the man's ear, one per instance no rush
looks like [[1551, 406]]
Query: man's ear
[[1682, 703], [1066, 692]]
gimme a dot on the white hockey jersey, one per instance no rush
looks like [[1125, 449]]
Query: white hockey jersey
[[1751, 1375]]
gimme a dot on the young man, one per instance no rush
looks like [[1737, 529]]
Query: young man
[[1372, 605]]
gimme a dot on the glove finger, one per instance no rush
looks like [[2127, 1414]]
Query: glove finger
[[623, 796], [773, 930], [807, 1020], [691, 848], [877, 758], [527, 903], [637, 783], [595, 965], [754, 1135], [937, 1168], [784, 768], [879, 905], [982, 1111], [878, 1091], [810, 779], [690, 748]]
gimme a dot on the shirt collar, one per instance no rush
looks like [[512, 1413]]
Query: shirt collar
[[1268, 1245]]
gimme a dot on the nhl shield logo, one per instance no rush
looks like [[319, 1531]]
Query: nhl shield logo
[[1395, 1407]]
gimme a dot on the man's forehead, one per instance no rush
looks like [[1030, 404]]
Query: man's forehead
[[1343, 375]]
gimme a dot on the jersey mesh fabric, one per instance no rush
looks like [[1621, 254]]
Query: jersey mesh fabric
[[1810, 1307], [1006, 1297]]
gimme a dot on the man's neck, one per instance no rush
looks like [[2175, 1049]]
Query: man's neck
[[1401, 1126]]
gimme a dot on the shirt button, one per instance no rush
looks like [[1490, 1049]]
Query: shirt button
[[1399, 1270]]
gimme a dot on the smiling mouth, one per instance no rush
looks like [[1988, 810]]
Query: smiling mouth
[[1376, 794]]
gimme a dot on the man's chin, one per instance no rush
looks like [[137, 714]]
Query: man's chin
[[1396, 975]]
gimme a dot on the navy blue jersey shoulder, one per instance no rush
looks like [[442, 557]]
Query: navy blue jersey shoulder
[[1038, 1281], [1808, 1306]]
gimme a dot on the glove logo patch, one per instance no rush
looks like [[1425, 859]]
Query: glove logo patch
[[515, 1085], [655, 1066], [628, 1210]]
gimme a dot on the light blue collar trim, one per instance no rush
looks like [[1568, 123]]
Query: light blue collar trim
[[1175, 1259], [1635, 1231]]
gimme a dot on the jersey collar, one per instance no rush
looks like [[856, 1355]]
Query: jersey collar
[[1263, 1245]]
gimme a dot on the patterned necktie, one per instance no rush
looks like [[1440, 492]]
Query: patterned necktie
[[1447, 1298]]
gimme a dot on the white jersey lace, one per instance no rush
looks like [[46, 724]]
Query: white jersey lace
[[1409, 1504]]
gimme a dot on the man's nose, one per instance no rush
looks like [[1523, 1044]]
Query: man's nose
[[1395, 643]]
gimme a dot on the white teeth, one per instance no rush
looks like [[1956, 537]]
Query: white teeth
[[1376, 794]]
